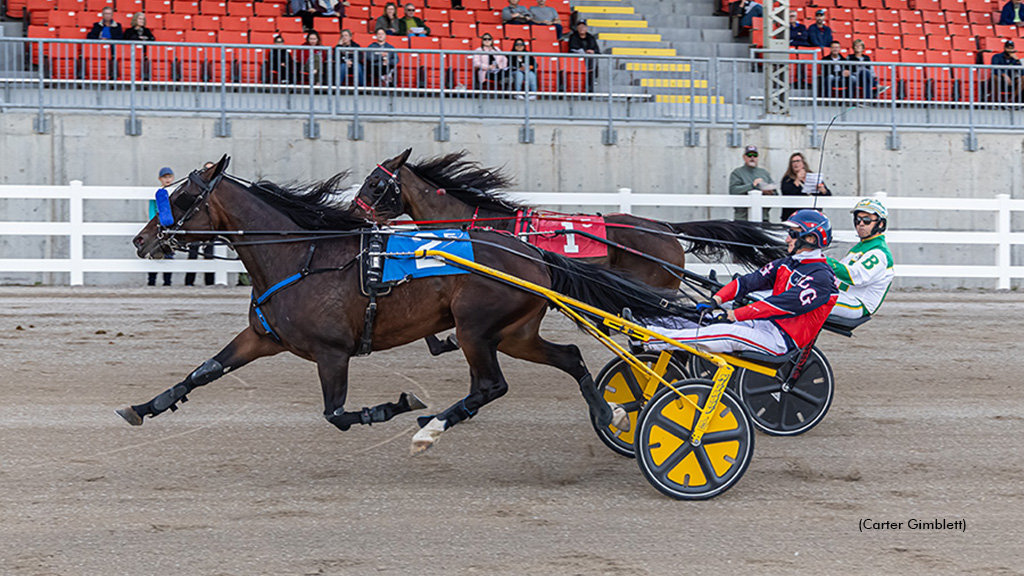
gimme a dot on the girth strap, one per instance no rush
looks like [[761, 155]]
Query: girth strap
[[258, 301]]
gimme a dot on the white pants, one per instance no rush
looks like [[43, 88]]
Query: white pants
[[848, 307], [755, 335]]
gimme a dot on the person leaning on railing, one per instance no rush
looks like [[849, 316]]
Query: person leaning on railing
[[1007, 81]]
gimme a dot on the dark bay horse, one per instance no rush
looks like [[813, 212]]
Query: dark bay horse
[[452, 188], [317, 311]]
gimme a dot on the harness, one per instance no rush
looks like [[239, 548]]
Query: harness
[[258, 301], [387, 182]]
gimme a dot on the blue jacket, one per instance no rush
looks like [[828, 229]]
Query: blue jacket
[[1006, 18], [1003, 59], [819, 36], [798, 35]]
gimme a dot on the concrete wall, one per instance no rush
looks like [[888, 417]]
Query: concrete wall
[[563, 158]]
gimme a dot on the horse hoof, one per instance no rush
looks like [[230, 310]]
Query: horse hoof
[[620, 418], [427, 436], [130, 416], [414, 402]]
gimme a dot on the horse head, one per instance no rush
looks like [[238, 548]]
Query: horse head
[[187, 208], [380, 197]]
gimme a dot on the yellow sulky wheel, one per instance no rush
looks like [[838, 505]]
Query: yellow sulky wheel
[[672, 464], [621, 384]]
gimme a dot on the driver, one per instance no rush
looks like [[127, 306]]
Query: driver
[[865, 273], [803, 291]]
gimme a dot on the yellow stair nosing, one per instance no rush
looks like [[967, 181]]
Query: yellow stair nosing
[[627, 37], [656, 67], [644, 51], [616, 23], [605, 9]]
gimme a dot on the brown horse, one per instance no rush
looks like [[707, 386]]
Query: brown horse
[[451, 188], [304, 251]]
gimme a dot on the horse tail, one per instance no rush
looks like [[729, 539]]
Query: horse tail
[[610, 290], [749, 243]]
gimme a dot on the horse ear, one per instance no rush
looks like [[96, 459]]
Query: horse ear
[[222, 166], [401, 159]]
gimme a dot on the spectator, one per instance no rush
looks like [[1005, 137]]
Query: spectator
[[818, 34], [138, 31], [309, 9], [106, 28], [524, 68], [1007, 80], [834, 74], [1012, 14], [793, 182], [166, 178], [515, 14], [749, 177], [410, 25], [749, 10], [492, 67], [279, 67], [380, 63], [193, 254], [584, 43], [546, 16], [797, 32], [862, 75], [388, 21], [311, 61], [348, 59]]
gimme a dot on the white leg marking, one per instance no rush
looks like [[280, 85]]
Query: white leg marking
[[620, 418], [427, 436]]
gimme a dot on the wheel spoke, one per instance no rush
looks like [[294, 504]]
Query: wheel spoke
[[674, 459], [723, 436], [773, 386], [634, 406], [631, 381], [677, 429], [707, 467], [784, 402], [807, 397]]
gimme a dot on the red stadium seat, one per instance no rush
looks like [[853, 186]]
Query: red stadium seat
[[186, 7], [464, 30], [488, 16], [518, 31], [574, 74], [964, 43], [290, 24], [495, 30], [864, 27], [241, 9], [915, 43], [940, 43], [157, 6], [171, 36], [234, 23], [294, 38], [261, 37], [233, 37], [206, 23], [268, 9], [355, 25], [463, 16], [544, 34], [70, 6], [178, 21], [933, 29], [911, 29], [890, 42], [263, 24], [911, 16], [956, 17], [888, 16], [892, 28], [200, 36], [966, 58], [213, 8]]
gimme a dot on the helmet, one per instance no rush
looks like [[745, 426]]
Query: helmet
[[871, 206], [812, 223]]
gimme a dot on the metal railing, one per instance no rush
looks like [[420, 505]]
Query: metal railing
[[77, 228], [321, 83]]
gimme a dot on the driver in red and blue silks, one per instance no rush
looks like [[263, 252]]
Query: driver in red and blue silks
[[803, 292]]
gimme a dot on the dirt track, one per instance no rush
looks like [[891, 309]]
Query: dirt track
[[248, 478]]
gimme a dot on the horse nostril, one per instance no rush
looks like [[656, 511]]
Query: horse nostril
[[137, 241]]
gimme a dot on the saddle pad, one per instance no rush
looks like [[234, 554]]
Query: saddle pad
[[400, 264], [570, 245]]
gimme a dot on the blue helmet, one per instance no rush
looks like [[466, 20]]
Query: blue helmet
[[811, 223]]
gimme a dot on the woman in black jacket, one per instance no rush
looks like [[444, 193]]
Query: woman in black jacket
[[524, 68], [793, 182], [138, 31]]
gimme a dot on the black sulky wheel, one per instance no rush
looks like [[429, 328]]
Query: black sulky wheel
[[620, 384], [779, 411], [676, 467]]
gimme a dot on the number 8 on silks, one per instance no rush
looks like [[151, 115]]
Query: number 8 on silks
[[400, 262]]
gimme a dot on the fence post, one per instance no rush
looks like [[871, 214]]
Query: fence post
[[40, 124], [220, 276], [756, 198], [441, 133], [1003, 251], [76, 243], [625, 200]]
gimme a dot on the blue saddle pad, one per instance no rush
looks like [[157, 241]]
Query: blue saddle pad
[[399, 262]]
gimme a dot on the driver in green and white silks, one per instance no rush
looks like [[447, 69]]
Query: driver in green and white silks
[[865, 273]]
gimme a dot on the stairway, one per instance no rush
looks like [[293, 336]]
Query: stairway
[[686, 28], [12, 55]]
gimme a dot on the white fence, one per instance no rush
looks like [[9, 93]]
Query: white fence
[[76, 229]]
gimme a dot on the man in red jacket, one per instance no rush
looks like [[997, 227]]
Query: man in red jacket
[[803, 290]]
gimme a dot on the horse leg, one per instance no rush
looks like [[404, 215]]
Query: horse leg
[[438, 346], [567, 358], [244, 348], [487, 384], [333, 371]]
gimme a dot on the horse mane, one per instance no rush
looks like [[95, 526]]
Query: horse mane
[[313, 206], [468, 181]]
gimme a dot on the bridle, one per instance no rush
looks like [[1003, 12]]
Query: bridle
[[387, 191], [189, 204]]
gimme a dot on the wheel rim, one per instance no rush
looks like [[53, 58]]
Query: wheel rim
[[679, 469], [620, 383], [789, 412]]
